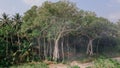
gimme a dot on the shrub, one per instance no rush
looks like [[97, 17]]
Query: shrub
[[106, 63]]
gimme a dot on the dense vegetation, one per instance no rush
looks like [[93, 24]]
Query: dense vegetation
[[106, 63], [56, 32]]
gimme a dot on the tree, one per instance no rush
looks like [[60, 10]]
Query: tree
[[62, 14], [94, 27], [17, 21], [5, 22], [53, 21], [5, 19], [118, 27]]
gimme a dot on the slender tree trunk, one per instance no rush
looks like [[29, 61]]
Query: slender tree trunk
[[97, 46], [63, 57], [68, 49], [74, 48], [45, 55], [90, 47], [38, 41], [50, 50], [47, 48]]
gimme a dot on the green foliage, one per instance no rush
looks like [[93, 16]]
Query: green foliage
[[13, 48], [106, 63], [39, 65], [75, 66]]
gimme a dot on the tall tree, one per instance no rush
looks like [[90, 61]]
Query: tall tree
[[62, 14], [17, 21], [5, 18], [95, 27]]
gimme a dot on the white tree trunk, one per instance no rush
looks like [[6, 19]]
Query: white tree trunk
[[56, 48], [90, 47], [56, 51]]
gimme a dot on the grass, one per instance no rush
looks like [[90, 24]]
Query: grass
[[31, 65], [75, 66], [103, 62], [99, 62]]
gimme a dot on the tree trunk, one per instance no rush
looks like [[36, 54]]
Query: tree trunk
[[45, 55], [97, 46], [90, 47], [56, 51], [50, 50], [56, 48], [74, 48], [63, 57], [68, 49], [38, 41], [47, 48]]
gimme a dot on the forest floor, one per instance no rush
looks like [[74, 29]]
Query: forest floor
[[76, 63], [51, 64], [73, 63]]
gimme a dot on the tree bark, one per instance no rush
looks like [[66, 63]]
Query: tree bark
[[63, 57], [47, 48], [90, 47], [68, 49], [97, 46], [56, 51], [74, 48], [56, 48], [45, 55], [50, 50]]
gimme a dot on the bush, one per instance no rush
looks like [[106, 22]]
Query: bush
[[106, 63]]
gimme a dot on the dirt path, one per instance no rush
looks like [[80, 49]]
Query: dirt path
[[84, 65], [73, 63], [58, 66], [81, 65], [117, 58]]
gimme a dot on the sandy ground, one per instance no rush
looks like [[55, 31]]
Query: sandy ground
[[84, 65], [58, 66], [73, 63]]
